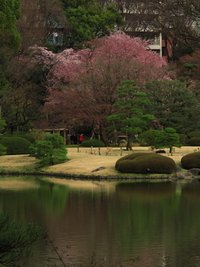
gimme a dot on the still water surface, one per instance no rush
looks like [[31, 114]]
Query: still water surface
[[109, 224]]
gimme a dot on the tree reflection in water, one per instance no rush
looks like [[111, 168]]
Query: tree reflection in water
[[110, 225]]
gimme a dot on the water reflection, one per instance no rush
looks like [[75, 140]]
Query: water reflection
[[86, 185], [33, 195], [191, 191], [111, 224], [146, 191], [17, 183]]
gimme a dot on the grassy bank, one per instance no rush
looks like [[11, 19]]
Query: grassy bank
[[84, 163]]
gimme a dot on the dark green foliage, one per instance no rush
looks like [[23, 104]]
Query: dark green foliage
[[3, 150], [174, 105], [56, 140], [191, 160], [59, 155], [193, 138], [194, 134], [9, 37], [15, 240], [2, 123], [22, 102], [42, 149], [50, 150], [28, 136], [145, 163], [89, 19], [183, 139], [166, 138], [194, 141], [130, 111], [93, 143], [152, 138], [15, 145], [171, 138]]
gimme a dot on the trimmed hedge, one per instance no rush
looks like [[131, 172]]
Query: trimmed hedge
[[28, 136], [15, 145], [191, 161], [145, 163], [93, 143]]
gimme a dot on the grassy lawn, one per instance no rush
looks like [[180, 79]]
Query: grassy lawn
[[84, 161], [17, 162]]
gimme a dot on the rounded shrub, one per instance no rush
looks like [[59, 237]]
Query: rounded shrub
[[191, 161], [56, 140], [15, 145], [27, 136], [50, 150], [93, 143], [59, 155], [145, 163]]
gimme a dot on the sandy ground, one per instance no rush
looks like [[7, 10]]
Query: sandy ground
[[86, 161]]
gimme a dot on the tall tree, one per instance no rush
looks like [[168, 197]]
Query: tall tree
[[188, 68], [174, 105], [129, 113], [40, 22], [85, 81], [166, 138], [26, 94], [112, 58], [9, 38], [88, 19]]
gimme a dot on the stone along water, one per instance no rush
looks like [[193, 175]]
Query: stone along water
[[107, 224]]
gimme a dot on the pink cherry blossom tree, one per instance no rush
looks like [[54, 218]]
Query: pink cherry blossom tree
[[82, 84]]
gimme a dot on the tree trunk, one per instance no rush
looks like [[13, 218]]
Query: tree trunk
[[103, 134], [129, 143]]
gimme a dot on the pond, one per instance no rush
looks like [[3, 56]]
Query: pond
[[107, 224]]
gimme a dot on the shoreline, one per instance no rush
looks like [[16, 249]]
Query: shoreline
[[67, 176]]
